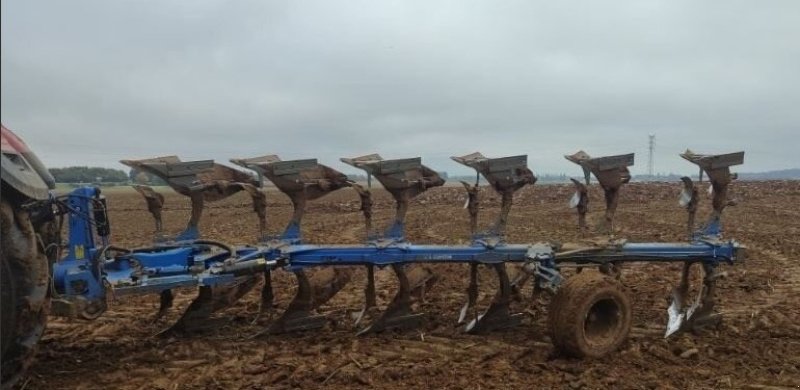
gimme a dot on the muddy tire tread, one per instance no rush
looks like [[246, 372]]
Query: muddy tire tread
[[29, 302], [569, 308]]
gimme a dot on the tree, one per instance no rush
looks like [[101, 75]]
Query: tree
[[88, 175]]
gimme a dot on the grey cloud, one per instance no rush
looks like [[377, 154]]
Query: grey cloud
[[91, 82]]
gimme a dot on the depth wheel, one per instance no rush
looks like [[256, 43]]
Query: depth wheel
[[25, 301], [590, 316]]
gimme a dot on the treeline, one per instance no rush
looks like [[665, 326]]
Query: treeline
[[103, 175], [88, 175]]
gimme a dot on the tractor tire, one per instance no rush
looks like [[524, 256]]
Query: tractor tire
[[25, 299], [590, 316]]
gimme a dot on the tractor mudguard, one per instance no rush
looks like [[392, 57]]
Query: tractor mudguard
[[21, 169]]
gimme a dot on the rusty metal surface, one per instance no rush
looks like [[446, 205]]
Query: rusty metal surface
[[506, 175], [201, 181], [581, 204], [403, 178], [186, 177], [717, 167], [611, 172], [300, 180], [690, 199], [155, 202], [365, 197], [473, 205]]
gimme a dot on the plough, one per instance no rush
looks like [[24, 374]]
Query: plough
[[589, 314]]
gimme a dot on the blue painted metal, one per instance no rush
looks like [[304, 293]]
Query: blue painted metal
[[79, 272], [546, 262], [156, 269], [189, 234], [195, 263], [711, 251], [712, 228], [291, 233], [400, 252], [85, 272], [397, 230]]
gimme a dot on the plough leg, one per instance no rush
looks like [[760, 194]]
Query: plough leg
[[155, 202], [676, 311], [196, 318], [165, 303], [612, 200], [580, 201], [365, 197], [472, 295], [300, 314], [704, 314], [267, 297], [370, 301], [259, 199], [701, 312], [421, 279], [192, 232], [398, 314], [498, 315]]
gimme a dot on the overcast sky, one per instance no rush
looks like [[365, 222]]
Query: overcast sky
[[93, 82]]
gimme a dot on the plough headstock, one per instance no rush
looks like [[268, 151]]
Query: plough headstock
[[611, 172]]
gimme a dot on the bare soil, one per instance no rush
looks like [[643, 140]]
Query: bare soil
[[757, 345]]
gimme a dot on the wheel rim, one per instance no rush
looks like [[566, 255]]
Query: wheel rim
[[602, 322]]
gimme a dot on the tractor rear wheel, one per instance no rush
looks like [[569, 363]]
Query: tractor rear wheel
[[590, 316], [25, 299]]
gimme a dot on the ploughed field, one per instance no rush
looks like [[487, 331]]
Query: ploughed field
[[756, 346]]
